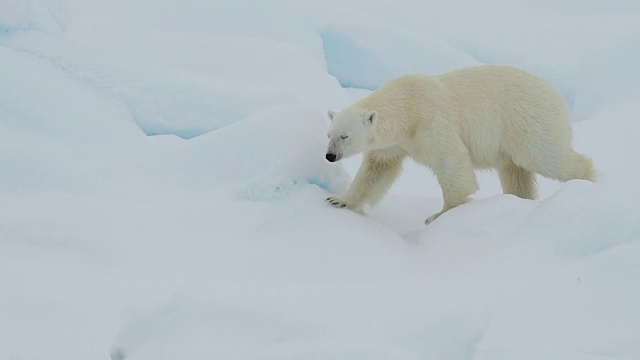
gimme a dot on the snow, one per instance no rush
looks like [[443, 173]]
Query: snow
[[163, 186], [366, 55]]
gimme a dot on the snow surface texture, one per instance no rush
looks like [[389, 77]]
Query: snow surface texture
[[118, 244]]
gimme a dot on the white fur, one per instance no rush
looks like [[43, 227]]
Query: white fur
[[475, 118]]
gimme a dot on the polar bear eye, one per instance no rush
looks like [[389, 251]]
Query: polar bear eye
[[344, 136]]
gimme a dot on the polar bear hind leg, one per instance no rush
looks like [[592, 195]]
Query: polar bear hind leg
[[518, 181]]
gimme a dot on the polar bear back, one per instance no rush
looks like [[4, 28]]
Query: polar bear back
[[498, 111]]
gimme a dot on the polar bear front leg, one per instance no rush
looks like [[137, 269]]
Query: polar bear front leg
[[378, 171], [456, 178], [456, 191]]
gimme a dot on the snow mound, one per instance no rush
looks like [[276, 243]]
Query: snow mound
[[282, 148], [19, 16], [368, 54], [578, 310], [222, 246], [575, 222], [185, 84], [578, 219]]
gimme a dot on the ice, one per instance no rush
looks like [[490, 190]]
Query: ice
[[169, 91], [579, 309], [292, 155], [588, 214], [365, 55], [164, 183], [17, 16]]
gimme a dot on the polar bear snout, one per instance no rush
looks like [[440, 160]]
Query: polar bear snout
[[331, 157]]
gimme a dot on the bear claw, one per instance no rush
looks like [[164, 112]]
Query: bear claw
[[336, 202]]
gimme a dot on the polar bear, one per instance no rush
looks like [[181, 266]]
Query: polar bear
[[484, 117]]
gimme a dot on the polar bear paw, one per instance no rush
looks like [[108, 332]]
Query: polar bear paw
[[432, 218], [336, 201]]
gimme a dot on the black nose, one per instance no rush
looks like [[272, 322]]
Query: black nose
[[331, 157]]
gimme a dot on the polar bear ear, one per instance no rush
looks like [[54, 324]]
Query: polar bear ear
[[331, 114], [370, 117]]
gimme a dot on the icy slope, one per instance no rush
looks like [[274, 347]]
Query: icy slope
[[115, 243]]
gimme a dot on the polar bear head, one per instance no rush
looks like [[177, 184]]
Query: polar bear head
[[350, 132]]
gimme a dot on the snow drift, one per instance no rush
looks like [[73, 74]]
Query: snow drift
[[116, 243]]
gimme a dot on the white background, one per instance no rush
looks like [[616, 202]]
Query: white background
[[212, 240]]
